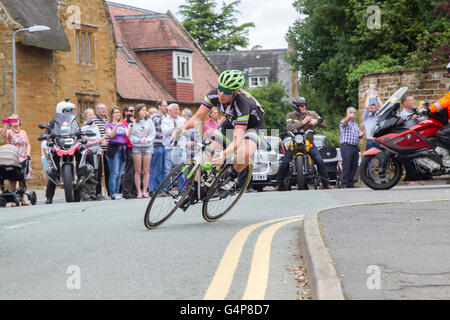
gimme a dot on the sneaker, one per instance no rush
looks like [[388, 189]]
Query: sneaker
[[190, 199], [230, 180], [116, 197]]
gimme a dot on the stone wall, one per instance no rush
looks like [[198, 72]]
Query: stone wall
[[430, 85], [45, 77]]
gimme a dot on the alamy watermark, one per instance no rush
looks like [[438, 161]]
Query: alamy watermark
[[74, 19], [74, 280], [374, 19], [374, 280]]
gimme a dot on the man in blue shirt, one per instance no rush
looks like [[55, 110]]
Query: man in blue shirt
[[369, 118]]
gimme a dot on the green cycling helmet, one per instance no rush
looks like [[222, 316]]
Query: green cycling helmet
[[231, 80]]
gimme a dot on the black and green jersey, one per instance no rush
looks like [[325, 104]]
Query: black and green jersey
[[244, 110]]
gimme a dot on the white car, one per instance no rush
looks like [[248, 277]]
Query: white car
[[266, 162]]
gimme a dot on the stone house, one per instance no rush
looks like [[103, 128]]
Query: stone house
[[158, 59], [259, 66], [76, 59]]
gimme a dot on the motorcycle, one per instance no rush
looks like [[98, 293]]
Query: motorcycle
[[405, 143], [68, 155], [302, 169]]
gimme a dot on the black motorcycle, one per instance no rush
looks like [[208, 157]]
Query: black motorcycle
[[68, 155], [302, 169]]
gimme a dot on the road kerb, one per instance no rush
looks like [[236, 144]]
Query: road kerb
[[324, 281]]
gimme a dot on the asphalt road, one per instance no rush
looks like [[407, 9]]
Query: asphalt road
[[396, 251], [101, 250]]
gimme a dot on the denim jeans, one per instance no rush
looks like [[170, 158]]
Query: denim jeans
[[157, 168], [372, 144], [174, 156], [315, 155], [116, 166]]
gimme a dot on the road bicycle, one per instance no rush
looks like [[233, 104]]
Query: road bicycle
[[216, 189]]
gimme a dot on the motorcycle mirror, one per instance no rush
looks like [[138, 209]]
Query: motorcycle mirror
[[320, 120], [84, 141], [88, 123], [278, 122], [43, 126], [414, 110], [43, 137]]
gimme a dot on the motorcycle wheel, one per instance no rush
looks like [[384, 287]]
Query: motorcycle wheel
[[67, 177], [372, 178], [301, 180]]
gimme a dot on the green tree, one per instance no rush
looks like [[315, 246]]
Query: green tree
[[215, 31], [333, 44], [273, 100]]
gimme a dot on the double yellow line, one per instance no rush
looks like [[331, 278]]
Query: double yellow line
[[259, 270]]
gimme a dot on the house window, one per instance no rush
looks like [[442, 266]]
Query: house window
[[82, 106], [84, 47], [183, 66], [260, 81]]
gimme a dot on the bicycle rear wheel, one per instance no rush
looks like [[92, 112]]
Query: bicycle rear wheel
[[169, 195], [217, 202]]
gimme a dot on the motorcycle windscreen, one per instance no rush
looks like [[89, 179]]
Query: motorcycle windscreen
[[65, 124], [391, 102]]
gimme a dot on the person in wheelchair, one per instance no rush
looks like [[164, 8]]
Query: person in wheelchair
[[302, 119]]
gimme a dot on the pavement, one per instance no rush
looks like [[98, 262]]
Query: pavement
[[396, 250]]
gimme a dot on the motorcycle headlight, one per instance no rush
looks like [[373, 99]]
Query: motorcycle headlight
[[299, 139], [65, 142]]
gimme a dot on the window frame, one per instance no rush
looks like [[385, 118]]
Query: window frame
[[182, 70], [85, 46], [259, 83]]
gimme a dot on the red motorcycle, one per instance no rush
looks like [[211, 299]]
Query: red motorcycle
[[405, 143]]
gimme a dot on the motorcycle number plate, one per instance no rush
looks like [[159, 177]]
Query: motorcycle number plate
[[259, 177]]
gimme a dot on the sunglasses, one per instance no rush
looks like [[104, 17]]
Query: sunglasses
[[67, 110], [225, 91]]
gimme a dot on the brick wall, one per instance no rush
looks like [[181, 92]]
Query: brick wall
[[160, 63]]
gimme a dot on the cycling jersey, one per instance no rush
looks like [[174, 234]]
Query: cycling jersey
[[244, 110]]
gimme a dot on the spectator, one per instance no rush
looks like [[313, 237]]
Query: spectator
[[116, 155], [45, 160], [424, 104], [18, 137], [103, 169], [372, 95], [142, 136], [192, 133], [350, 135], [88, 192], [369, 118], [152, 111], [212, 123], [158, 157], [128, 187], [173, 155], [407, 103]]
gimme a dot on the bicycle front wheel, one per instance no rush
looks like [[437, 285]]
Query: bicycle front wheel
[[170, 195], [219, 202]]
